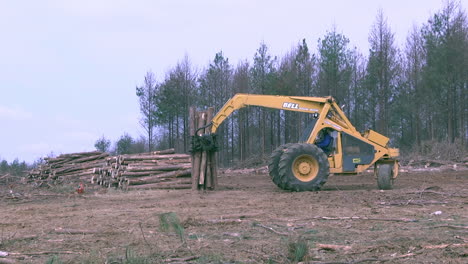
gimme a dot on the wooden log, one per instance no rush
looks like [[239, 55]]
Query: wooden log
[[196, 155], [214, 168], [76, 179], [202, 116], [192, 127], [75, 173], [87, 153], [102, 169], [78, 160], [90, 158], [158, 152], [153, 157], [175, 181], [209, 179], [201, 181], [68, 164], [138, 174], [157, 186], [52, 160], [77, 167], [181, 184], [159, 168], [156, 162], [148, 180], [159, 178], [58, 164]]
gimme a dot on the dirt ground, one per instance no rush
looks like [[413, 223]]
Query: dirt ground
[[424, 219]]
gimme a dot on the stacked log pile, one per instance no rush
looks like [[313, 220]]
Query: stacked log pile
[[71, 167], [204, 147], [154, 170]]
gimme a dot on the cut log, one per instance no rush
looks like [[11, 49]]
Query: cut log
[[171, 185], [75, 174], [192, 126], [79, 160], [209, 176], [159, 178], [201, 181], [137, 174], [200, 122], [155, 162], [163, 152], [77, 167], [80, 154], [90, 158], [158, 168], [214, 169], [154, 157]]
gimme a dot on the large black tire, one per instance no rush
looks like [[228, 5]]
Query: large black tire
[[303, 167], [385, 176], [274, 161]]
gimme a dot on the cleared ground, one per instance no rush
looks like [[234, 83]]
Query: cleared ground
[[248, 220]]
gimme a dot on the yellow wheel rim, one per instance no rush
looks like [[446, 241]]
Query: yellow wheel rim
[[305, 168]]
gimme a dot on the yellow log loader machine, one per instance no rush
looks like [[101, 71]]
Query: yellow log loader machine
[[331, 144]]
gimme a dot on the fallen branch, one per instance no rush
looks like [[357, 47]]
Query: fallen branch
[[385, 259], [450, 226], [445, 246], [73, 231], [411, 202], [144, 237], [456, 194], [270, 229], [332, 247], [181, 259], [366, 218], [44, 253], [239, 216], [224, 221]]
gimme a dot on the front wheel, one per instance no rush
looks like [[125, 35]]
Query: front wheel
[[384, 175], [274, 161], [303, 167]]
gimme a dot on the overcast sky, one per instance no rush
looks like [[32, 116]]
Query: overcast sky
[[68, 69]]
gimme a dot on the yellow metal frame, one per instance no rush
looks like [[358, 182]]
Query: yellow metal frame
[[330, 115]]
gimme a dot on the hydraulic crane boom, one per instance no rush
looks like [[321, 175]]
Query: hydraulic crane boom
[[312, 105]]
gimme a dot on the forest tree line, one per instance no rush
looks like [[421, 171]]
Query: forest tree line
[[413, 94]]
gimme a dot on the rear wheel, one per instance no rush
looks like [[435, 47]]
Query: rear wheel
[[273, 163], [385, 176], [303, 167]]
